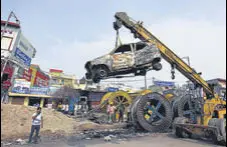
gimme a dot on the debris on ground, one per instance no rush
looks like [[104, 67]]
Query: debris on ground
[[16, 123], [107, 138]]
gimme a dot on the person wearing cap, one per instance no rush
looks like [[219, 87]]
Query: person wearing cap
[[37, 123]]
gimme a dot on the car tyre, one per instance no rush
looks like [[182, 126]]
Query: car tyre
[[157, 66]]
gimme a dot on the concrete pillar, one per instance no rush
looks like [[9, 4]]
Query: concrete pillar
[[26, 101]]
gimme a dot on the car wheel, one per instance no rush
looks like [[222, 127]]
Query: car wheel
[[101, 72], [88, 76], [157, 66]]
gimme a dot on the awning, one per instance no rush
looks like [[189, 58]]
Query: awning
[[29, 95]]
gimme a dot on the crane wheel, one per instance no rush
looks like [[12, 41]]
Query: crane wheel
[[152, 112], [117, 98]]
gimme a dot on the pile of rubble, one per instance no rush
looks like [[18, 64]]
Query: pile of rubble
[[16, 123]]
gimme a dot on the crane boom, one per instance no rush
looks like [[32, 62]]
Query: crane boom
[[176, 62]]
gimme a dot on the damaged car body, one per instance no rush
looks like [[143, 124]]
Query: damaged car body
[[137, 58]]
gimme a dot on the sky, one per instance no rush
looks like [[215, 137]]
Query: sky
[[67, 34]]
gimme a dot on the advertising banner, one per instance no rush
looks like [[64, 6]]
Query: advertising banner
[[21, 86], [22, 57], [39, 90], [164, 83]]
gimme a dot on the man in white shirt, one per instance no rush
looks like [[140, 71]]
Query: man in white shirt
[[37, 122]]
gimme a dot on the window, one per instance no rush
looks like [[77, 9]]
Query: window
[[140, 46], [6, 43], [123, 49]]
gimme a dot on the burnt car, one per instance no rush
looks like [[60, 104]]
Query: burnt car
[[137, 58]]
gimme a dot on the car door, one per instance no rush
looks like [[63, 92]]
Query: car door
[[143, 54], [123, 57]]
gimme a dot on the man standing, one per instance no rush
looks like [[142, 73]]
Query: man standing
[[111, 111], [37, 122], [121, 110]]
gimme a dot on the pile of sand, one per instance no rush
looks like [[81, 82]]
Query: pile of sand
[[16, 122]]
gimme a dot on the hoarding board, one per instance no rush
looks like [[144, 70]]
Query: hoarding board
[[164, 83], [9, 40], [24, 52], [21, 57], [21, 86], [39, 90]]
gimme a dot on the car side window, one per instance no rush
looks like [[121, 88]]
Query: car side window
[[123, 49], [140, 46]]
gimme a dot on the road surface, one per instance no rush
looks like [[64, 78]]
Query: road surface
[[163, 140]]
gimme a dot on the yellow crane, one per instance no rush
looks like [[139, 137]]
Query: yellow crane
[[209, 111]]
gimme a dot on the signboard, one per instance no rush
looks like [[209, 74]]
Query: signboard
[[22, 57], [39, 90], [112, 89], [10, 38], [27, 74], [23, 52], [164, 83], [21, 86]]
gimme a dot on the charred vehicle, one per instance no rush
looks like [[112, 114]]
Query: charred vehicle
[[137, 58]]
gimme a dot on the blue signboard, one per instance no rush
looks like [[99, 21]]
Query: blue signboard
[[164, 83], [111, 89], [22, 90], [39, 90], [31, 90], [23, 57]]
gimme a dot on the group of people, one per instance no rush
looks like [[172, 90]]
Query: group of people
[[112, 110], [64, 108]]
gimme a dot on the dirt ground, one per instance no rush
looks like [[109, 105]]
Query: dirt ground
[[162, 140], [16, 122]]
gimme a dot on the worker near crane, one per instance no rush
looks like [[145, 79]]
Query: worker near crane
[[111, 112], [121, 110]]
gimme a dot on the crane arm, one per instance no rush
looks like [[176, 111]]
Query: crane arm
[[176, 62]]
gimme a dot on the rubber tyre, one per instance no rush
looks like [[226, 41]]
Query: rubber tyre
[[88, 76], [181, 104], [161, 125], [101, 72], [157, 66], [133, 116]]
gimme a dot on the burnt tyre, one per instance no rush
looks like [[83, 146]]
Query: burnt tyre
[[179, 132], [157, 66], [133, 117], [154, 113], [96, 80], [88, 76], [187, 107], [101, 72]]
